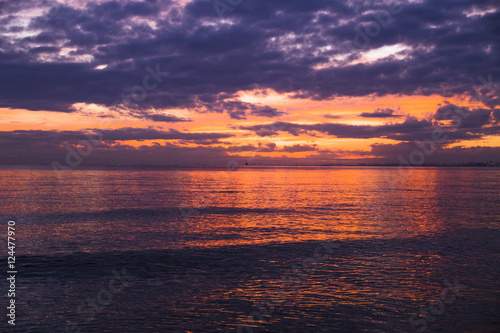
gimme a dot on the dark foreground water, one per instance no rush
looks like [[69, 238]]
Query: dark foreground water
[[254, 250]]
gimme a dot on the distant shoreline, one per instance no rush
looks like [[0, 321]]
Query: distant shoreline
[[223, 167]]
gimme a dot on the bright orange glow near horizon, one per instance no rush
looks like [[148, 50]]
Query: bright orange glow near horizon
[[298, 111]]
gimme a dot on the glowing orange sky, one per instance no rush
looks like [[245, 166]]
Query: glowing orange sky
[[299, 111]]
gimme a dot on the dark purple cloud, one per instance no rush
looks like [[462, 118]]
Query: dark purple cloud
[[108, 147], [392, 153], [466, 125], [410, 125], [165, 118], [267, 111], [290, 46], [36, 137], [465, 117], [380, 113], [331, 116], [496, 115], [299, 148]]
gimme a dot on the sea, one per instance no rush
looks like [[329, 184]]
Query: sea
[[257, 249]]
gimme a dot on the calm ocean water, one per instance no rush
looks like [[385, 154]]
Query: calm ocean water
[[255, 250]]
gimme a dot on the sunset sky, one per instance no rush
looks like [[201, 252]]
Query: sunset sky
[[267, 81]]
